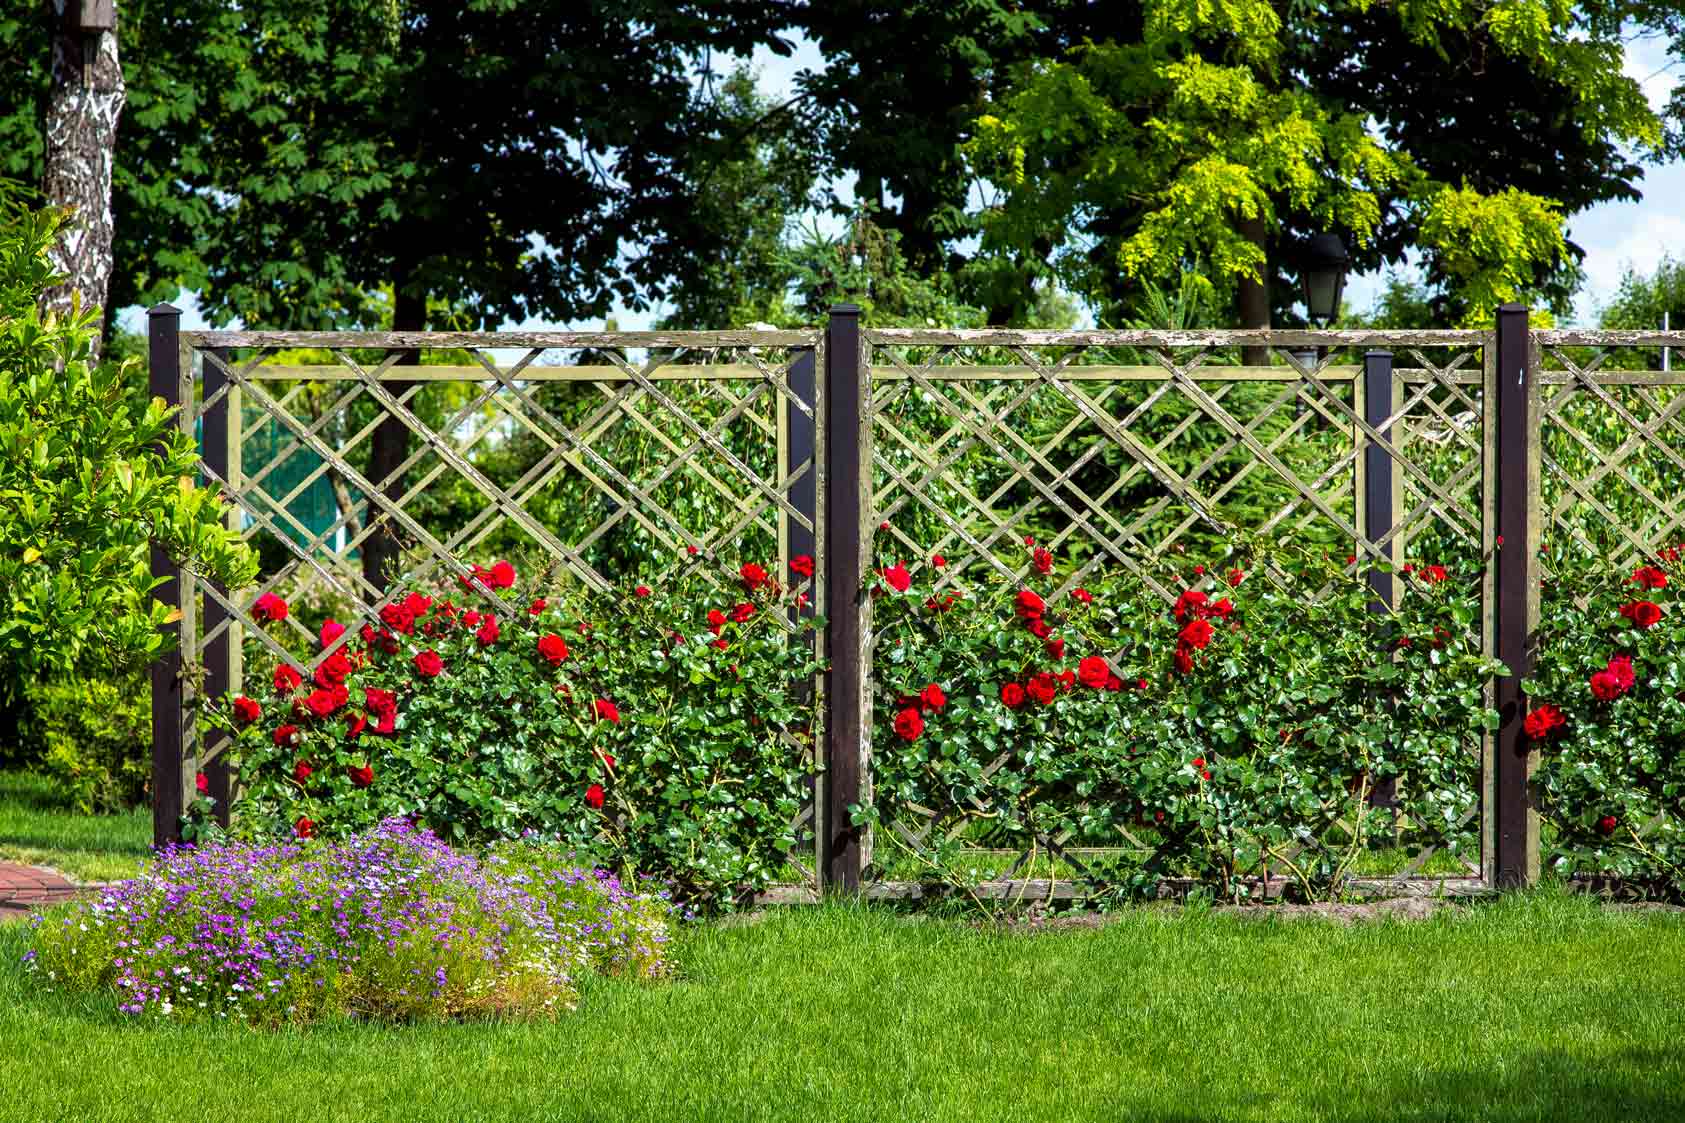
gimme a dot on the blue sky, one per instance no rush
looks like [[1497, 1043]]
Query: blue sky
[[1615, 236]]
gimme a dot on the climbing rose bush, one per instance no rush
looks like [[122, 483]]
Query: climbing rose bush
[[390, 924], [1239, 717], [1607, 717], [664, 732]]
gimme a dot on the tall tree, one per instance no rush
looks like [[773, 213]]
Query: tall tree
[[81, 139]]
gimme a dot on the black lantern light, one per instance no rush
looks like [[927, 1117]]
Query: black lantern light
[[1324, 277]]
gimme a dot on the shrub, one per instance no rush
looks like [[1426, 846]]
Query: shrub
[[1249, 719], [1607, 698], [666, 732], [390, 924], [94, 738]]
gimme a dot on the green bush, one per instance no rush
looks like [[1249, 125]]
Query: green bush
[[94, 739]]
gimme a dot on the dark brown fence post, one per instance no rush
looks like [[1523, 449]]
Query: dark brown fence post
[[163, 329], [219, 652], [846, 728], [1511, 854], [800, 441], [1378, 507]]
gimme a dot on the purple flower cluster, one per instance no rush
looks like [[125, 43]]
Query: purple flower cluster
[[390, 924]]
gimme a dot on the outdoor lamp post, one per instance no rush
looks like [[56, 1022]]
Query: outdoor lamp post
[[1324, 276]]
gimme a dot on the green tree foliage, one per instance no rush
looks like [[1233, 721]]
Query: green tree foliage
[[1640, 302], [86, 483]]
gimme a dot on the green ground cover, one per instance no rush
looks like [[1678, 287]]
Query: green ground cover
[[37, 829], [1529, 1008]]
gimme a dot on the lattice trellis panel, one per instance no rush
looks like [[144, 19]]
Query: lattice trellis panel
[[608, 459], [1116, 449]]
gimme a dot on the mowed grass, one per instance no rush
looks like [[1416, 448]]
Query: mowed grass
[[36, 830], [1541, 1007]]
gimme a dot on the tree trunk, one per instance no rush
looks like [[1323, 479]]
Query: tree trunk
[[1254, 296], [389, 444], [82, 112]]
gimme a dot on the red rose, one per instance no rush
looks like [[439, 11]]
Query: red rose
[[1221, 609], [721, 644], [898, 577], [1082, 595], [692, 551], [417, 605], [1043, 687], [802, 565], [552, 648], [501, 575], [641, 591], [201, 782], [608, 759], [1113, 683], [1643, 614], [1093, 672], [607, 711], [398, 618], [1029, 605], [428, 664], [379, 701], [1038, 628], [331, 630], [938, 560], [368, 635], [1205, 775], [1197, 634], [716, 620], [269, 609], [1621, 667], [1647, 576], [321, 703], [1189, 603], [1029, 540], [1140, 684], [1012, 695], [908, 724], [246, 711], [302, 771], [354, 726], [1043, 558], [1539, 724], [1056, 648], [540, 604], [1184, 660], [1605, 687], [304, 828], [933, 697], [488, 631], [1067, 679], [753, 576], [334, 670], [742, 612], [1606, 825], [1199, 762], [470, 618], [287, 678], [362, 777], [1434, 574], [594, 795], [286, 735], [1236, 576]]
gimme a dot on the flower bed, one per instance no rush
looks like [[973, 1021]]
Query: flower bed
[[1247, 719], [664, 733], [390, 924]]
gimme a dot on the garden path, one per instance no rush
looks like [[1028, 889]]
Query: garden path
[[26, 887]]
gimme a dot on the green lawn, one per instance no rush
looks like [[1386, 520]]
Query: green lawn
[[36, 830], [1541, 1007]]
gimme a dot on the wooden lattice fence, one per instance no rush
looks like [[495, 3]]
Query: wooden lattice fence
[[659, 452]]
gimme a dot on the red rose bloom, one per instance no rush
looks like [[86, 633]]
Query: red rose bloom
[[269, 609], [1606, 825], [302, 771], [608, 758], [1621, 667], [362, 777], [331, 630], [1012, 695], [552, 648], [246, 711], [1199, 762], [1606, 686], [594, 796], [742, 612], [1038, 628], [1140, 684], [287, 678], [1056, 648], [470, 618], [1043, 558], [202, 783], [1082, 595], [938, 560], [335, 669], [539, 605], [1067, 679], [1189, 603], [754, 576], [1236, 576], [1184, 660], [354, 726], [398, 618], [501, 576], [908, 724], [428, 664], [933, 697], [1539, 724], [488, 631], [1643, 614], [897, 577], [286, 735], [1197, 634], [641, 591], [1113, 683], [417, 605], [1043, 687], [1093, 672], [607, 711], [304, 828], [321, 703], [1646, 576], [1222, 609], [802, 565], [716, 620], [1029, 605], [379, 701], [1434, 574]]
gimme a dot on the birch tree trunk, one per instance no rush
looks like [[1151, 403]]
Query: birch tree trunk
[[82, 112]]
